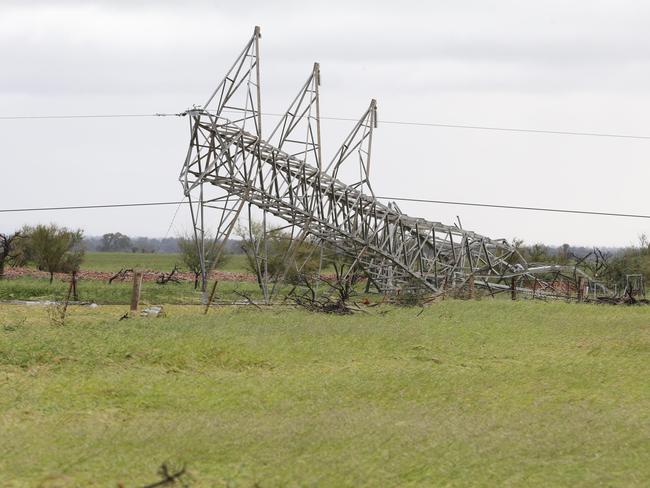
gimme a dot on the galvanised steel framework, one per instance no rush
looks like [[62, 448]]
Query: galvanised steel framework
[[231, 166]]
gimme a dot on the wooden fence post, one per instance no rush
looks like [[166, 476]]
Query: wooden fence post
[[208, 302], [67, 300], [75, 296], [567, 288], [470, 285], [135, 294], [513, 289], [581, 289]]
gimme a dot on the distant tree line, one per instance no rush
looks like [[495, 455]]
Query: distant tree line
[[118, 242], [541, 253]]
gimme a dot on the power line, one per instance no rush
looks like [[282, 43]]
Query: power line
[[83, 116], [399, 199], [520, 207], [84, 207], [347, 119], [513, 129]]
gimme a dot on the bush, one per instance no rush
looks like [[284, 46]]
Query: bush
[[283, 262], [53, 249]]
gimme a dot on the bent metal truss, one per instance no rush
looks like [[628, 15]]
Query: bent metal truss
[[232, 165]]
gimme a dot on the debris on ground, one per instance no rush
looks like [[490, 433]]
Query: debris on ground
[[153, 311]]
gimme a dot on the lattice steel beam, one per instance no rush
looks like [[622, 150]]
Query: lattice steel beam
[[229, 163]]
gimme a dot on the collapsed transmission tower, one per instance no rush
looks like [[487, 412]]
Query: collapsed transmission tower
[[232, 166]]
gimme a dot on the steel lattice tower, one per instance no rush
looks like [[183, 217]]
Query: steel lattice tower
[[230, 164]]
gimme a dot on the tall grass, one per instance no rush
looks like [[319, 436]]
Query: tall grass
[[489, 393]]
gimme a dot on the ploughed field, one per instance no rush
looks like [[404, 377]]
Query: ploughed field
[[464, 393]]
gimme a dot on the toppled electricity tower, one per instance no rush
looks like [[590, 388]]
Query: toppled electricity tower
[[231, 165]]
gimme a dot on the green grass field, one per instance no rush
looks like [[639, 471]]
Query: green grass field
[[114, 261], [482, 393], [28, 288], [119, 292]]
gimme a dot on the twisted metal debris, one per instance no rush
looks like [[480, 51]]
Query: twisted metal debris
[[232, 166]]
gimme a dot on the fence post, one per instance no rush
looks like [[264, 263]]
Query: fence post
[[208, 302], [75, 296], [135, 294], [471, 286], [513, 289], [67, 300], [581, 289]]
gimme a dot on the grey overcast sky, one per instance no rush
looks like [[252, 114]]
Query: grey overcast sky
[[579, 66]]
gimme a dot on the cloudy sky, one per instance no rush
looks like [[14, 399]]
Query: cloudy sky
[[557, 65]]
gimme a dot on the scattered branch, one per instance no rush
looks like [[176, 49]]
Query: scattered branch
[[165, 278], [169, 477], [121, 275], [341, 289], [248, 298]]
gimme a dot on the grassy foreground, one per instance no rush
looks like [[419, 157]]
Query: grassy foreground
[[488, 393]]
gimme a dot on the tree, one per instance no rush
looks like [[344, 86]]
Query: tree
[[55, 249], [190, 255], [563, 254], [631, 260], [537, 253], [115, 242], [514, 258], [8, 249], [286, 259]]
